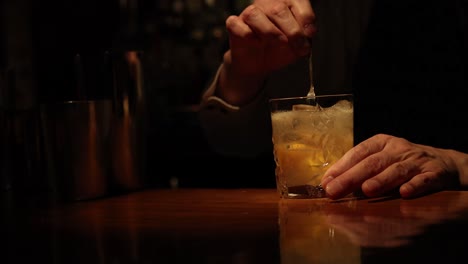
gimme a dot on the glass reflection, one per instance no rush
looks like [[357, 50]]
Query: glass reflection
[[325, 231], [306, 237]]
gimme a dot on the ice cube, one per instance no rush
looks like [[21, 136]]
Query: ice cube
[[291, 137], [305, 107], [343, 105], [296, 146]]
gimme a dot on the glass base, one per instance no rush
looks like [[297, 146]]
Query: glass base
[[304, 192]]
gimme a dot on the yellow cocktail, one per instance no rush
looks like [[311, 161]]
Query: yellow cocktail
[[308, 137]]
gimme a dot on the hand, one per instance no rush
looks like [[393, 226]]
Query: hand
[[385, 163], [266, 36], [269, 35]]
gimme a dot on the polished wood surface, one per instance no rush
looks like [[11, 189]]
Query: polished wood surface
[[238, 226]]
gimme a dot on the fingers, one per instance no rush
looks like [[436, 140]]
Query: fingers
[[356, 154], [421, 184], [305, 16], [258, 21], [277, 23], [391, 178], [269, 35], [242, 38], [238, 29], [301, 11], [377, 166], [377, 175], [352, 178], [293, 25]]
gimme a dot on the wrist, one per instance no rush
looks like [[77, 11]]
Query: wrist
[[235, 87], [460, 161]]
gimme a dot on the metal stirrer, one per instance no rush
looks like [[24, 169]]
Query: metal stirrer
[[311, 93], [317, 191]]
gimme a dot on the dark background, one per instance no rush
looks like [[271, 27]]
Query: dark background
[[55, 51]]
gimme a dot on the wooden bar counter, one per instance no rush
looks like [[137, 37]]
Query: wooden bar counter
[[239, 226]]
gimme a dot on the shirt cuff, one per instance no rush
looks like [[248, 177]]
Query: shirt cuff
[[210, 100]]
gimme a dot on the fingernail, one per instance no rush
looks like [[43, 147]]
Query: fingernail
[[406, 190], [326, 180], [334, 188]]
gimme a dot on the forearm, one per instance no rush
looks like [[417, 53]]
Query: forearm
[[246, 130], [236, 88], [233, 130]]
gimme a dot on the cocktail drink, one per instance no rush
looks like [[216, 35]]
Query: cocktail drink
[[309, 135]]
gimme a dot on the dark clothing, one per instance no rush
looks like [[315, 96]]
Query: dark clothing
[[405, 62], [411, 74]]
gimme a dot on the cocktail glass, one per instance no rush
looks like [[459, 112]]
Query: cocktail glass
[[309, 135]]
